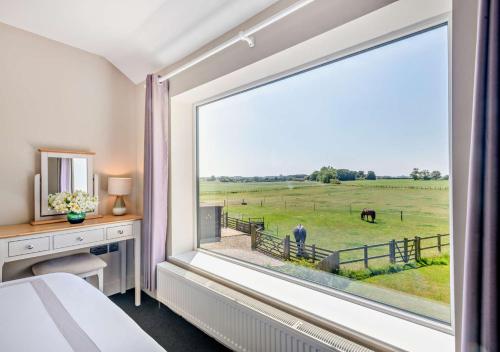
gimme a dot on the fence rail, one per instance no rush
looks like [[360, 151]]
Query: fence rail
[[398, 251], [240, 224]]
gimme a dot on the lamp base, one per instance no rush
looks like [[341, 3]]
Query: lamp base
[[119, 207]]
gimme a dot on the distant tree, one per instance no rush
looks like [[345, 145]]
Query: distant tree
[[371, 175], [446, 177], [425, 174], [346, 175], [361, 175], [435, 175], [326, 174], [314, 176], [415, 174], [211, 178]]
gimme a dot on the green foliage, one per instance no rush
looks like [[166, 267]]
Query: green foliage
[[415, 174], [371, 175], [437, 260], [363, 274], [346, 175], [326, 174], [314, 176], [435, 175], [426, 175], [303, 262]]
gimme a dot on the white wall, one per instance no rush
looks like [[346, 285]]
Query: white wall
[[53, 95]]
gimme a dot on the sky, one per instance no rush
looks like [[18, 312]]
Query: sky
[[384, 110]]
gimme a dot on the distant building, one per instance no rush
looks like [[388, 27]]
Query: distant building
[[210, 226]]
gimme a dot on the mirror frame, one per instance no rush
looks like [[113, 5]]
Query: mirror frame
[[42, 211]]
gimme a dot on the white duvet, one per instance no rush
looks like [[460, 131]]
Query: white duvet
[[61, 312]]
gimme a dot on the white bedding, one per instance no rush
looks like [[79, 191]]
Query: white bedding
[[61, 312]]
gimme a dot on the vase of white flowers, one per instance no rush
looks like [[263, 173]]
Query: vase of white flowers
[[75, 205]]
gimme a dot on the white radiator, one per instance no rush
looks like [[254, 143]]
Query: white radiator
[[239, 321]]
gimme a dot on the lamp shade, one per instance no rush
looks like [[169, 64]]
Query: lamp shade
[[119, 186]]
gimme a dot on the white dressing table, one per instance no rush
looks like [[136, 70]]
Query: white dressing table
[[24, 241]]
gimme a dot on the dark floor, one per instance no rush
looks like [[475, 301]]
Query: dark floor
[[170, 330]]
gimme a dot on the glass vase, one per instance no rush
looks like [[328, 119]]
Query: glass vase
[[76, 218]]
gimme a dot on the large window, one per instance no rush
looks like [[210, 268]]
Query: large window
[[338, 175]]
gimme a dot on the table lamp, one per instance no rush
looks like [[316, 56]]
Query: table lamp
[[119, 187]]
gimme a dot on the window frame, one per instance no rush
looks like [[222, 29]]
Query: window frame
[[367, 46], [396, 18]]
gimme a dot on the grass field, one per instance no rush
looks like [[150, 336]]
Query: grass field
[[331, 215], [431, 282]]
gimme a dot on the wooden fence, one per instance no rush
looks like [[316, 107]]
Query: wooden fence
[[240, 224], [398, 251], [285, 248]]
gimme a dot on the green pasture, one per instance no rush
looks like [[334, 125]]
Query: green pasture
[[331, 215]]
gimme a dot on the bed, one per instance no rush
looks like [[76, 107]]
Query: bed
[[62, 312]]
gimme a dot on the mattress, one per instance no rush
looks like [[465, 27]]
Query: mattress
[[62, 312]]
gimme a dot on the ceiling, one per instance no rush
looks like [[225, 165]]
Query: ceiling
[[137, 36]]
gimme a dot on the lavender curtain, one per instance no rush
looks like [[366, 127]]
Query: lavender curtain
[[65, 166], [481, 310], [154, 229]]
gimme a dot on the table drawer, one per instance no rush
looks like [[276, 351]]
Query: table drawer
[[118, 231], [31, 245], [78, 238]]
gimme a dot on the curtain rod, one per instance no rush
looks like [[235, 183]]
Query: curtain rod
[[242, 36]]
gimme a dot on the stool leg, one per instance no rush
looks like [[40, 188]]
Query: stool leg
[[100, 275]]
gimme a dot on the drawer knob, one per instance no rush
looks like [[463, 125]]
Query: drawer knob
[[120, 232], [79, 238], [30, 246]]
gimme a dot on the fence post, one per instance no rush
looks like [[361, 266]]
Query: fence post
[[365, 255], [313, 253], [253, 236], [392, 251], [330, 263], [335, 261], [225, 219], [286, 247], [417, 248], [401, 215], [439, 242], [405, 250]]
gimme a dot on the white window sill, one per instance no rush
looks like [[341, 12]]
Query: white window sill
[[378, 326]]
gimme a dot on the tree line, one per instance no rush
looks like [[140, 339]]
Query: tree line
[[425, 175], [245, 179], [328, 174]]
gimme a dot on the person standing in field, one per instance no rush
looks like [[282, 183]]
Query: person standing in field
[[300, 234]]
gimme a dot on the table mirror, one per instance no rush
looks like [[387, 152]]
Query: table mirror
[[62, 171]]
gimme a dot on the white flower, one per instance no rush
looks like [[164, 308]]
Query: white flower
[[76, 202]]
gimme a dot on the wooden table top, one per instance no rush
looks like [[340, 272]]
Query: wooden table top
[[28, 229]]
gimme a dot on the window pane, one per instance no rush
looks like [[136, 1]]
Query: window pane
[[338, 175]]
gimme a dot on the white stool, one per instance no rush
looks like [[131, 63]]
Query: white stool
[[81, 264]]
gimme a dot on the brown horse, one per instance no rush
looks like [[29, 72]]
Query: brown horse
[[365, 213]]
